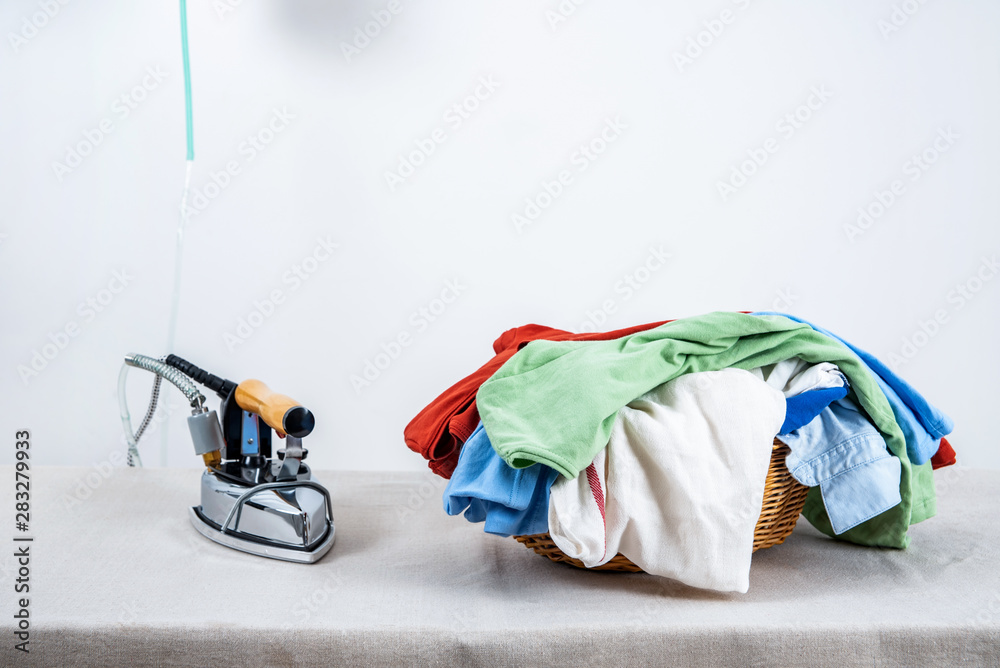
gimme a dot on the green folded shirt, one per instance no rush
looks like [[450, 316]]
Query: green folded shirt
[[555, 402]]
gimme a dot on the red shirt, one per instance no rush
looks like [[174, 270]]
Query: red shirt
[[945, 456]]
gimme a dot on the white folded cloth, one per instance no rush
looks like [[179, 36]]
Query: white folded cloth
[[679, 488], [794, 376]]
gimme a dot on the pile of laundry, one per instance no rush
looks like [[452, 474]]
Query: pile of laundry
[[654, 441]]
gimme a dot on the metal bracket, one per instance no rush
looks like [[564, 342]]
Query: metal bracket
[[293, 458], [249, 435]]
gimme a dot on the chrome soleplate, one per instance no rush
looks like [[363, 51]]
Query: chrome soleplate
[[260, 548], [291, 520]]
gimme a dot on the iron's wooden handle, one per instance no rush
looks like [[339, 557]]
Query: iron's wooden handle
[[281, 413]]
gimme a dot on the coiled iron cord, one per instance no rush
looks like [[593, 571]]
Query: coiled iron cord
[[160, 370], [133, 454]]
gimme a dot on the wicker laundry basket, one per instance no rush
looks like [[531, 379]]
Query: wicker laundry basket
[[783, 500]]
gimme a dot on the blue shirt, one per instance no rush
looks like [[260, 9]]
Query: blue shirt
[[843, 453], [922, 424], [803, 408], [511, 502]]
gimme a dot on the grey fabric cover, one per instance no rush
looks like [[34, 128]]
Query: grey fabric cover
[[120, 578]]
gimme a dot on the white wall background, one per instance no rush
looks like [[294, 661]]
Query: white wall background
[[780, 234]]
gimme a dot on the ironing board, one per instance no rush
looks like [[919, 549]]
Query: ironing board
[[119, 577]]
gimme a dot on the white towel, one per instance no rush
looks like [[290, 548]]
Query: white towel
[[679, 488], [794, 376]]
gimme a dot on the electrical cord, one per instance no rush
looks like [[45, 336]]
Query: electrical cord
[[133, 453], [160, 370]]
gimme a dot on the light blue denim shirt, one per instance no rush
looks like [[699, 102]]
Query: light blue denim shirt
[[847, 457], [511, 502], [922, 424]]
